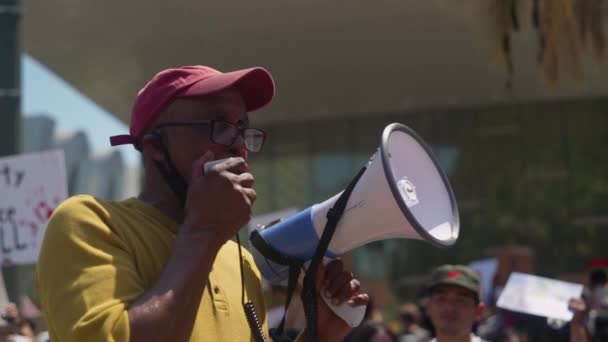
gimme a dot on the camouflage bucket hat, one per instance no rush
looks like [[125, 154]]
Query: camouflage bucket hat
[[458, 275]]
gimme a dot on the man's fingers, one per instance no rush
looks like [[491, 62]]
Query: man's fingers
[[339, 287], [245, 180], [236, 165], [360, 299], [320, 278], [576, 304], [198, 166], [250, 193], [347, 291], [243, 183], [332, 270]]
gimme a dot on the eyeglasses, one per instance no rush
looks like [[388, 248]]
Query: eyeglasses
[[223, 133]]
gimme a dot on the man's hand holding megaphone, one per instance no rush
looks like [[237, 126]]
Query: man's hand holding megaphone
[[220, 196], [229, 181], [339, 286]]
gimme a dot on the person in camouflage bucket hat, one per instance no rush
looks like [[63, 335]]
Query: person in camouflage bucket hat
[[459, 275], [454, 303]]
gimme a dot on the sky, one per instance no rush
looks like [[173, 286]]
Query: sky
[[45, 92]]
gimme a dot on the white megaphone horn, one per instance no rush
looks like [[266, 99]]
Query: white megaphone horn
[[403, 193]]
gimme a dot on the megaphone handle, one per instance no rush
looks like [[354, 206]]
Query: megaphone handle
[[351, 315]]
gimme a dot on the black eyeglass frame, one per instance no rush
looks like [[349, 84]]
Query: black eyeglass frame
[[211, 123]]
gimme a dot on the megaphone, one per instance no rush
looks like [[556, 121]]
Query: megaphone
[[403, 193]]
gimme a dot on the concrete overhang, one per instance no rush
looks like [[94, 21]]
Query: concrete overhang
[[329, 58]]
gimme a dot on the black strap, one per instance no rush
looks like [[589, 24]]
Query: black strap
[[295, 266], [270, 252], [333, 216], [294, 274]]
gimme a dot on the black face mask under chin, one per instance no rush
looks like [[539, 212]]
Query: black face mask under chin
[[176, 182]]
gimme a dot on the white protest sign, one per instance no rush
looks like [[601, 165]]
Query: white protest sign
[[31, 187], [539, 296]]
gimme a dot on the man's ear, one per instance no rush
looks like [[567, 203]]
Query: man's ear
[[150, 145]]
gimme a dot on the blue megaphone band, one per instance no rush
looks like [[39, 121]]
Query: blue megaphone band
[[295, 237]]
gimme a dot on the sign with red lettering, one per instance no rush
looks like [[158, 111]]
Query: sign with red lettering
[[31, 187]]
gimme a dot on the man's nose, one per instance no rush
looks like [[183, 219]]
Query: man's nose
[[453, 305]]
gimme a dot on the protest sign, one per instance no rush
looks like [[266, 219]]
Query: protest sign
[[539, 296], [31, 187]]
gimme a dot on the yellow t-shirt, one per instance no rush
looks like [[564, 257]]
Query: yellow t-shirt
[[98, 257]]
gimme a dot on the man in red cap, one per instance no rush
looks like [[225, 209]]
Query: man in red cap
[[162, 267]]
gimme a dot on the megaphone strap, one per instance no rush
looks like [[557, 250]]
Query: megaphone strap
[[294, 275], [295, 265], [333, 217], [270, 252]]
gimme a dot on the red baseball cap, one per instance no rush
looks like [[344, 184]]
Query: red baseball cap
[[256, 86]]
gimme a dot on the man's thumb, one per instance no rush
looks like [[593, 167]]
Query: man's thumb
[[199, 164]]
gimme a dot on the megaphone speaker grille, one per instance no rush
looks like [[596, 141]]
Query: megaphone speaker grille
[[419, 185]]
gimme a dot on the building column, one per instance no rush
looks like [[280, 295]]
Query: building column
[[10, 75], [10, 106]]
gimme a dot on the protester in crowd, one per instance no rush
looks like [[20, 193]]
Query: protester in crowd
[[425, 320], [370, 331], [508, 326], [454, 305], [162, 267], [598, 299], [15, 328], [598, 284], [410, 319], [578, 328], [372, 313]]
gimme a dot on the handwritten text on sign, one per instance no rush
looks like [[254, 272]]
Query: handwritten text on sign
[[31, 187]]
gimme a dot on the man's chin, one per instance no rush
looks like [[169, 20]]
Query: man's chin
[[450, 330]]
